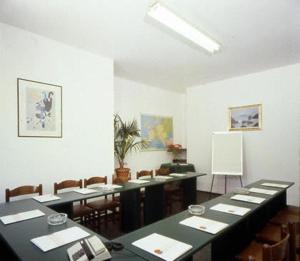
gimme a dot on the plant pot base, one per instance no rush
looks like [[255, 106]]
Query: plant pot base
[[122, 174]]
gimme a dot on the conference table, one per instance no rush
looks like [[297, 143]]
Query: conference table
[[130, 199], [226, 243]]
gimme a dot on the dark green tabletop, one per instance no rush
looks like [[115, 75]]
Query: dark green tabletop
[[170, 227]]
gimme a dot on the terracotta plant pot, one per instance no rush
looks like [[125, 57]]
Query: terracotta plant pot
[[122, 173]]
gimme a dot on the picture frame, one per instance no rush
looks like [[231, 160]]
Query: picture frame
[[39, 109], [245, 118]]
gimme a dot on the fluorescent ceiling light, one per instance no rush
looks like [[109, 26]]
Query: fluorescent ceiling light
[[177, 24]]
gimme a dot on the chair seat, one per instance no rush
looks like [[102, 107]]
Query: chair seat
[[103, 204], [269, 234], [283, 218], [254, 249], [81, 210]]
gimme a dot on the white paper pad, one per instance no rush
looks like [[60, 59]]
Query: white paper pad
[[145, 177], [276, 185], [163, 177], [231, 209], [46, 198], [162, 246], [177, 174], [109, 186], [204, 224], [21, 216], [85, 191], [263, 191], [60, 238], [138, 181], [250, 199]]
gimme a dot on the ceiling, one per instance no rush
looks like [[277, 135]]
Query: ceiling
[[255, 35]]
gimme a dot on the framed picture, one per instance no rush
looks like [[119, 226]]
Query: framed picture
[[157, 130], [247, 117], [39, 109]]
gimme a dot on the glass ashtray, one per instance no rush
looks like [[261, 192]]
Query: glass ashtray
[[196, 209], [57, 219], [242, 191]]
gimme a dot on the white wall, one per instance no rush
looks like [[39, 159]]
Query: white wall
[[274, 152], [86, 148], [132, 99]]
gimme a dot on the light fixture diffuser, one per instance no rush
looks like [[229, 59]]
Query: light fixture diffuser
[[180, 26]]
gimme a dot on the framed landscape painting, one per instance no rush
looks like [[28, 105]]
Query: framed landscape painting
[[157, 130], [39, 109], [247, 117]]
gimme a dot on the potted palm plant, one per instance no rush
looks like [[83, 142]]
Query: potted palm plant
[[127, 138]]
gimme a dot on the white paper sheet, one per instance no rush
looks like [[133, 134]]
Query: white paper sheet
[[60, 238], [263, 191], [110, 186], [145, 177], [162, 246], [251, 199], [162, 177], [85, 191], [138, 181], [21, 216], [177, 174], [231, 209], [46, 198], [204, 224], [276, 185]]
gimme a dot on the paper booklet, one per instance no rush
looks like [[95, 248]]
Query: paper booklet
[[138, 181], [177, 174], [46, 198], [21, 216], [204, 224], [231, 209], [85, 191], [276, 185], [60, 238], [251, 199], [164, 247], [263, 191]]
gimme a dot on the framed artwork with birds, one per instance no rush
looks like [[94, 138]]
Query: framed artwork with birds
[[39, 109]]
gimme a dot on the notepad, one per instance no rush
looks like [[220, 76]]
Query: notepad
[[177, 174], [46, 198], [263, 191], [109, 186], [21, 216], [204, 224], [85, 191], [138, 181], [164, 247], [231, 209], [145, 177], [276, 185], [162, 177], [251, 199], [60, 238]]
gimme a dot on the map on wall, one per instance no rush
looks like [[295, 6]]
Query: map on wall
[[157, 130]]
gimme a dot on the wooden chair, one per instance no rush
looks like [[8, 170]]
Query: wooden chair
[[101, 206], [144, 174], [23, 190], [172, 190], [265, 252], [294, 230], [80, 211], [286, 215]]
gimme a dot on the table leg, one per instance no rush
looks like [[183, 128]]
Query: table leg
[[189, 187]]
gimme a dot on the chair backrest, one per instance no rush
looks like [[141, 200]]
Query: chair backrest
[[162, 172], [144, 173], [294, 230], [23, 190], [67, 184], [95, 180], [278, 251]]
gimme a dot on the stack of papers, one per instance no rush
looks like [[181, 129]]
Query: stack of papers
[[276, 185], [46, 198], [164, 247], [231, 209], [204, 224], [21, 216], [177, 174], [263, 191], [138, 181], [85, 191], [60, 238], [250, 199]]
